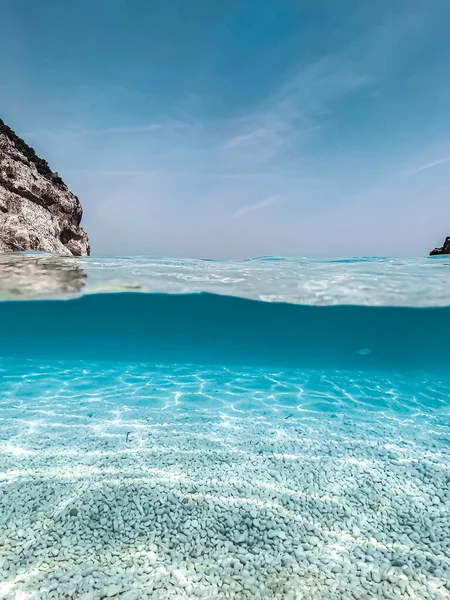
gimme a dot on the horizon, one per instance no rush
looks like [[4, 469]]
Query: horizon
[[239, 131]]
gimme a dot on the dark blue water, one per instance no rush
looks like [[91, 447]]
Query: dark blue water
[[205, 328]]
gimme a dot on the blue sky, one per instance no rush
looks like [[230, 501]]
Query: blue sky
[[239, 128]]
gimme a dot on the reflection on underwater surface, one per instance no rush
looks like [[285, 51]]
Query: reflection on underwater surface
[[25, 276]]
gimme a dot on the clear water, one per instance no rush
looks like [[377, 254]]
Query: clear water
[[275, 428]]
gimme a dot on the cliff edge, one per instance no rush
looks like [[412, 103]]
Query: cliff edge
[[37, 210]]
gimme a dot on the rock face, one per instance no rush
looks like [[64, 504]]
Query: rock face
[[37, 210], [444, 250]]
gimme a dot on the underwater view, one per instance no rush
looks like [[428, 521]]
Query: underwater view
[[271, 428]]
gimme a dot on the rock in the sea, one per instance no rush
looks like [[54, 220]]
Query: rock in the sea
[[37, 210], [444, 250]]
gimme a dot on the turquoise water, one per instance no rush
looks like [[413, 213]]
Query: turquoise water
[[275, 428]]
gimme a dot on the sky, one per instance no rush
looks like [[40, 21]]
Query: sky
[[238, 128]]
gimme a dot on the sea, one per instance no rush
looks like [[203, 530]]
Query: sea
[[275, 428]]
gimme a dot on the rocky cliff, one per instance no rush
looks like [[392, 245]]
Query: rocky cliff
[[37, 210], [445, 249]]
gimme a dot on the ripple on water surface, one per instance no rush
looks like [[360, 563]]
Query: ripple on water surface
[[358, 281]]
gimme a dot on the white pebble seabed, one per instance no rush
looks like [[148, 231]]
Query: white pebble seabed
[[105, 499]]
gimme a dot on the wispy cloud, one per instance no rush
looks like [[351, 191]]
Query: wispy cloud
[[430, 165], [256, 206], [244, 140], [116, 172], [106, 131], [294, 113], [300, 109]]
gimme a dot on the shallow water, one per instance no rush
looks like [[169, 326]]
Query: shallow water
[[284, 435]]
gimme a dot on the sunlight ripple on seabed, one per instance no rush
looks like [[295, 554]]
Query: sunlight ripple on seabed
[[186, 481]]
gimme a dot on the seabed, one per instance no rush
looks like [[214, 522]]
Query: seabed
[[176, 481]]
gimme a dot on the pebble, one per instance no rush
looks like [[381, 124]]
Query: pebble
[[399, 562], [130, 595], [376, 577], [112, 590]]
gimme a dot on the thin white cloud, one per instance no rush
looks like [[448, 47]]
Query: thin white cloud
[[251, 208], [300, 108], [430, 165], [247, 139], [116, 172], [295, 113], [80, 133]]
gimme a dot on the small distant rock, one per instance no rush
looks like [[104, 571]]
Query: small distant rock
[[73, 512], [445, 249]]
